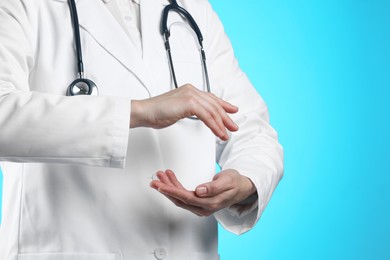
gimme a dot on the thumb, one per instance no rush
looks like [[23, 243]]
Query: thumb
[[210, 189], [202, 190]]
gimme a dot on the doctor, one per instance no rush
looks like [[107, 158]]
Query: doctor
[[128, 174]]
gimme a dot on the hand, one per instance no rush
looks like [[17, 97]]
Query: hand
[[227, 188], [166, 109]]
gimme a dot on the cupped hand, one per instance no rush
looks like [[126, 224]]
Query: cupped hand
[[226, 189], [168, 108]]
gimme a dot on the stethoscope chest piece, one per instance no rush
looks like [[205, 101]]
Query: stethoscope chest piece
[[82, 86]]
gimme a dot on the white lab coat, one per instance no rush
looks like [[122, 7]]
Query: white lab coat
[[76, 179]]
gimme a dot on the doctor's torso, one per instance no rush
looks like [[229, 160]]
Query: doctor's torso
[[70, 211]]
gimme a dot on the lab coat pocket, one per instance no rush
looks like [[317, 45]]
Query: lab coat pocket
[[189, 71], [69, 256]]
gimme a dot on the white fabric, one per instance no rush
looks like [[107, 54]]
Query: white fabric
[[76, 179], [127, 13]]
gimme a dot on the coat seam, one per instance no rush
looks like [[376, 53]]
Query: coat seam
[[20, 211]]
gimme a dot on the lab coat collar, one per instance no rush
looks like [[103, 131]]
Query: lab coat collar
[[95, 18]]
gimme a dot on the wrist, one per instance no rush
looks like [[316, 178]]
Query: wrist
[[135, 115], [249, 187]]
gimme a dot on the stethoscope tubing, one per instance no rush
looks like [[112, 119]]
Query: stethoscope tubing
[[84, 86], [166, 34], [176, 8], [76, 32]]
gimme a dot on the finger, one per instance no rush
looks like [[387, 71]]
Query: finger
[[194, 209], [215, 106], [188, 197], [217, 115], [159, 186], [205, 116], [216, 112], [199, 105], [164, 178], [211, 204], [172, 177], [155, 184], [178, 193], [227, 122], [228, 107], [221, 183]]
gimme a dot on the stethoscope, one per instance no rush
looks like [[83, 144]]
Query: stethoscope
[[85, 86]]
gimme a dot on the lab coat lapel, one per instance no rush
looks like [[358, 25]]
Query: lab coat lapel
[[152, 40], [96, 19], [154, 54]]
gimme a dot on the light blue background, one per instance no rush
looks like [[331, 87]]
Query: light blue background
[[323, 67]]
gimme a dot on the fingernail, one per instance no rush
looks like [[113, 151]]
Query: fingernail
[[201, 190], [225, 137], [153, 185]]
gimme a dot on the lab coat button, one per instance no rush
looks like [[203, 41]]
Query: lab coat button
[[160, 253]]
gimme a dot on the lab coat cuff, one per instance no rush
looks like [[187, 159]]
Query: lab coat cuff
[[120, 133], [239, 219], [244, 207]]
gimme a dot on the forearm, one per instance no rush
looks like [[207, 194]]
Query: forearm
[[38, 127]]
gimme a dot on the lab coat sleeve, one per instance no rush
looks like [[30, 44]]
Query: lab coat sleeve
[[253, 150], [48, 128]]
